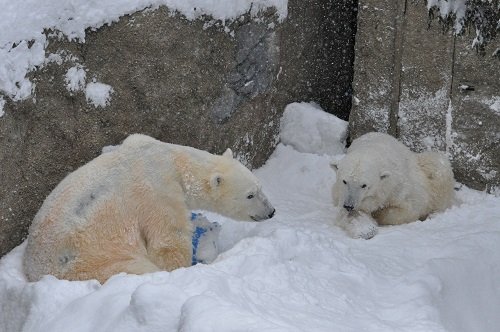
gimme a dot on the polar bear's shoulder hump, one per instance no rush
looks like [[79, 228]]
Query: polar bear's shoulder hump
[[136, 140]]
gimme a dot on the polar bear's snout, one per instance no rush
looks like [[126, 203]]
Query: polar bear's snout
[[262, 218], [348, 207], [352, 195], [268, 210]]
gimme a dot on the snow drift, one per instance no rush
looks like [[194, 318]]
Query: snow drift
[[297, 272]]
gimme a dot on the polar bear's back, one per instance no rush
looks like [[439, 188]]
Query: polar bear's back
[[440, 179], [90, 179], [379, 142], [381, 150]]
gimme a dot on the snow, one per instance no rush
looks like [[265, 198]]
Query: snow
[[448, 8], [307, 128], [296, 272], [494, 104], [2, 104], [24, 25], [98, 94], [75, 78]]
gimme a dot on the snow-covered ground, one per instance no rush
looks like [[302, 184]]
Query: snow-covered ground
[[296, 272]]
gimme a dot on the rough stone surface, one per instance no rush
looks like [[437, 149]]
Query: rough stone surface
[[440, 95], [425, 80], [176, 80], [373, 83], [475, 115]]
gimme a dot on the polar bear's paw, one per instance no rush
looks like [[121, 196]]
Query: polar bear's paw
[[361, 226]]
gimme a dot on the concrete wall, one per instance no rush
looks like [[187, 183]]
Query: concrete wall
[[178, 81], [410, 78]]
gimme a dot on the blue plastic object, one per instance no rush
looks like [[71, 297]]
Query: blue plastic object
[[197, 234]]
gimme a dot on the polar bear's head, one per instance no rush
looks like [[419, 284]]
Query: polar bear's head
[[360, 185], [235, 192]]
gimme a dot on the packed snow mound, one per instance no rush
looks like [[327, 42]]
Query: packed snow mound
[[98, 94], [296, 272], [307, 128], [23, 26]]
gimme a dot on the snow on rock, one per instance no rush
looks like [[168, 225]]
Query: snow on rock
[[23, 24], [75, 78], [2, 104], [98, 94], [307, 128], [296, 272], [418, 118], [494, 104], [447, 8], [15, 62]]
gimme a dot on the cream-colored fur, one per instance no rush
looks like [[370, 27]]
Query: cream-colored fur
[[128, 210], [382, 178]]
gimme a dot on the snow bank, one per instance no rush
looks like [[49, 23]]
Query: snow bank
[[296, 272], [306, 128], [24, 23]]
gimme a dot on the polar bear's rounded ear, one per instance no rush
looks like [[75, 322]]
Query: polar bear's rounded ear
[[216, 180], [384, 174], [228, 153]]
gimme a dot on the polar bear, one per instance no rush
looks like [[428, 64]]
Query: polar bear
[[381, 182], [129, 210]]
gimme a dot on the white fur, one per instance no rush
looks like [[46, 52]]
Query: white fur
[[382, 178], [128, 210]]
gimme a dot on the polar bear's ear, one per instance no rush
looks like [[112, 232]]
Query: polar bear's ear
[[384, 174], [228, 154], [216, 180], [334, 164]]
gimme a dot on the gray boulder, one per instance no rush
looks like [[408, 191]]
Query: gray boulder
[[180, 81]]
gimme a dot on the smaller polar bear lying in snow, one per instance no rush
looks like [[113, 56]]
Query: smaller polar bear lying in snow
[[381, 182], [129, 210]]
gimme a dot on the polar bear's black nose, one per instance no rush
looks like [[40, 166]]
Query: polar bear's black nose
[[272, 214], [348, 207]]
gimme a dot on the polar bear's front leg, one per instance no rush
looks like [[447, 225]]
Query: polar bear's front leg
[[167, 237], [169, 256], [395, 216]]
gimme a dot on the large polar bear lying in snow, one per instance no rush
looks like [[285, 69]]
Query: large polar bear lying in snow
[[129, 210], [381, 180]]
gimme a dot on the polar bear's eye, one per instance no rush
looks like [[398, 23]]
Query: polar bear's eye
[[363, 186], [250, 196], [344, 181]]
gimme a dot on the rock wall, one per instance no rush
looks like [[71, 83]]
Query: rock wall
[[428, 87], [197, 83]]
